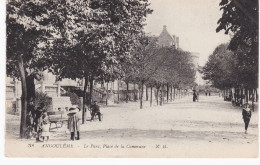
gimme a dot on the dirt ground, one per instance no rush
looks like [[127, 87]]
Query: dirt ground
[[182, 128]]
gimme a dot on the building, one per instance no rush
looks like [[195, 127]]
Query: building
[[166, 40]]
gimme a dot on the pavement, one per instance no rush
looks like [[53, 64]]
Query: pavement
[[181, 128]]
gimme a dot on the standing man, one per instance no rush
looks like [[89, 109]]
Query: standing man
[[95, 110]]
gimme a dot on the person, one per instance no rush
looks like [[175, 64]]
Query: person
[[38, 121], [246, 113], [95, 110], [198, 97], [73, 123], [194, 96], [45, 134]]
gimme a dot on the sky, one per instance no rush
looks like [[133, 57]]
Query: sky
[[194, 21]]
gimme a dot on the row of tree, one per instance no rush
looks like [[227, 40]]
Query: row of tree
[[95, 40], [235, 64], [162, 68]]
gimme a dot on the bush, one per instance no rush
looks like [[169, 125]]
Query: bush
[[42, 98]]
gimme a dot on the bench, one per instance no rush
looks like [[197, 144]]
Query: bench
[[57, 117]]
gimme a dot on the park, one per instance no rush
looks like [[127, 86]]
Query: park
[[94, 76]]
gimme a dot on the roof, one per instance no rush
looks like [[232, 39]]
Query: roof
[[165, 39]]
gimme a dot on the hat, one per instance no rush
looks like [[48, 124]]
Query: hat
[[73, 109]]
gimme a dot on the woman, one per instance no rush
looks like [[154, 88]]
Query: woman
[[73, 123], [246, 113]]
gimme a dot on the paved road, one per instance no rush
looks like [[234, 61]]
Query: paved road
[[182, 128]]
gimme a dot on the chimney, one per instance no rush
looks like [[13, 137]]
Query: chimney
[[174, 40], [164, 27], [177, 42]]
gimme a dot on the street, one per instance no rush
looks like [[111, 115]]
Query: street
[[182, 128]]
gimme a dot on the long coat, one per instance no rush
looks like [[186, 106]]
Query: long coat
[[73, 122], [246, 113]]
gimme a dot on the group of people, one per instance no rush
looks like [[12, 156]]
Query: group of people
[[41, 121]]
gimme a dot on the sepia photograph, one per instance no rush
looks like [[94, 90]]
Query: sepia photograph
[[131, 79]]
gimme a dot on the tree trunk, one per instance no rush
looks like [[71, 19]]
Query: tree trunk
[[242, 91], [134, 93], [157, 93], [171, 93], [161, 96], [253, 98], [84, 111], [127, 91], [174, 93], [235, 95], [107, 94], [151, 96], [246, 95], [167, 92], [146, 93], [91, 91], [118, 92], [141, 95], [23, 125], [30, 113]]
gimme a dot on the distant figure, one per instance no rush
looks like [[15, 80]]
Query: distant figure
[[206, 94], [73, 123], [95, 110], [194, 96], [209, 93], [246, 113], [198, 96]]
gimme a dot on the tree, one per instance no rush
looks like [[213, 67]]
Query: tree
[[29, 25], [240, 19], [101, 41], [221, 69]]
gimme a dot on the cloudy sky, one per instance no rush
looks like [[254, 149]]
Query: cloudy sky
[[194, 21]]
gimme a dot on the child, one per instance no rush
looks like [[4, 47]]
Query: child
[[45, 127], [246, 113], [73, 123]]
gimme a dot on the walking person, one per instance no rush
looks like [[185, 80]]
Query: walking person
[[73, 123], [95, 110], [246, 113], [194, 96]]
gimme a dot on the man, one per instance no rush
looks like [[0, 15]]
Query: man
[[246, 113], [95, 110]]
